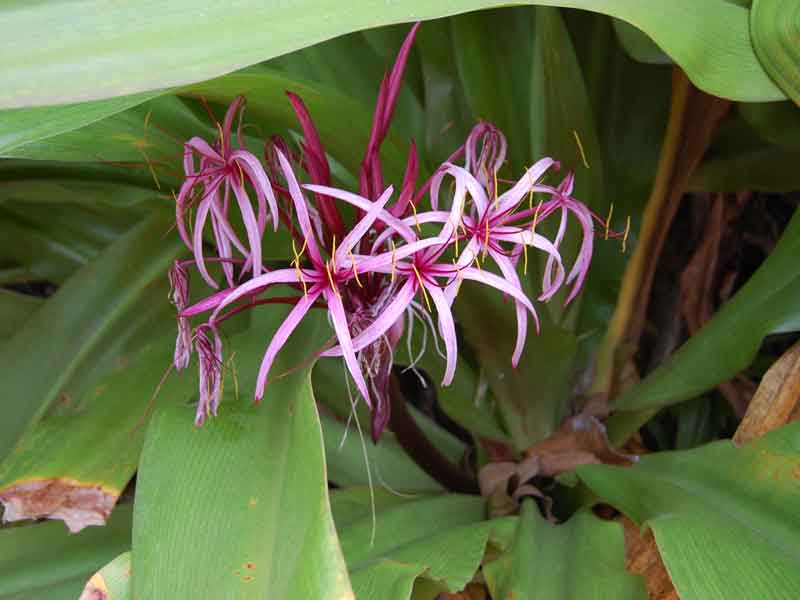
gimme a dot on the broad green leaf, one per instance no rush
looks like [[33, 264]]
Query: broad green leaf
[[724, 518], [767, 169], [21, 126], [775, 122], [239, 508], [494, 51], [768, 300], [15, 310], [78, 332], [45, 562], [583, 558], [440, 538], [775, 27], [563, 126], [112, 582], [86, 456], [149, 48], [638, 45]]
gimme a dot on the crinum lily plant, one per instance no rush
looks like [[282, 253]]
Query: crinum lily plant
[[395, 263]]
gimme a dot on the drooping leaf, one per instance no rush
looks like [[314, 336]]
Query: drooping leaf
[[80, 330], [768, 300], [583, 558], [775, 122], [74, 465], [638, 45], [148, 49], [45, 562], [22, 126], [724, 518], [258, 471]]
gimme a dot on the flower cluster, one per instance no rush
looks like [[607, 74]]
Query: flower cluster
[[395, 262]]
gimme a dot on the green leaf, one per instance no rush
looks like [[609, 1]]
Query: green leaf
[[83, 457], [531, 399], [151, 48], [22, 126], [79, 331], [768, 300], [583, 558], [775, 122], [775, 27], [239, 508], [113, 581], [724, 518], [441, 538], [638, 45], [44, 562], [15, 310]]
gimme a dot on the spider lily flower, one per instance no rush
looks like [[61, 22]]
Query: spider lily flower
[[321, 279], [209, 351], [220, 170]]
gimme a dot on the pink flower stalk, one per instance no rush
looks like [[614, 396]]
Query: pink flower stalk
[[369, 275], [222, 169]]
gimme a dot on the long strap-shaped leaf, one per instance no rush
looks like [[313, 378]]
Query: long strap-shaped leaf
[[75, 332], [145, 47], [239, 508]]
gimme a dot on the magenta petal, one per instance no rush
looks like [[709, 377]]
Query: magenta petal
[[354, 237], [447, 329], [386, 319], [300, 208], [510, 273], [250, 226], [254, 286], [197, 240], [255, 172], [511, 199], [501, 284], [281, 335], [342, 329], [204, 149]]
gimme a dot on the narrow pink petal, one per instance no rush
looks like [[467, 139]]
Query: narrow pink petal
[[301, 209], [365, 205], [255, 285], [363, 226], [511, 198], [510, 273], [383, 262], [227, 124], [255, 172], [447, 329], [197, 242], [409, 181], [279, 338], [203, 148], [386, 319], [342, 329], [250, 226], [206, 304]]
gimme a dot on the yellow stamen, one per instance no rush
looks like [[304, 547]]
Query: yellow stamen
[[330, 279], [625, 237], [416, 220], [296, 263], [241, 172], [536, 216], [333, 253], [486, 237], [421, 285], [580, 148], [221, 135], [524, 254], [530, 193], [455, 234], [608, 218], [394, 261], [355, 269]]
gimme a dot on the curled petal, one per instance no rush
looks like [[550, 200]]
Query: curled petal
[[447, 330], [209, 353], [342, 329]]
